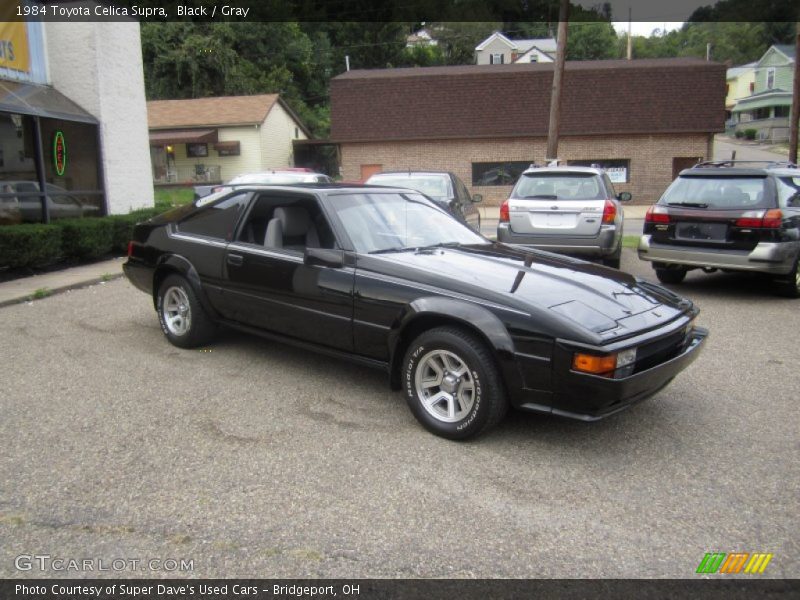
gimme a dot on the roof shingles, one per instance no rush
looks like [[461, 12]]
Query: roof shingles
[[599, 97], [205, 112]]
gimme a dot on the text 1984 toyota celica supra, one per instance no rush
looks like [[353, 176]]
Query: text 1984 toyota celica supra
[[463, 325]]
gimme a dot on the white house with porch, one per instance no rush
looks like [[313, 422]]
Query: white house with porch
[[210, 140]]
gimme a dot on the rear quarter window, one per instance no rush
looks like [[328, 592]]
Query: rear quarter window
[[216, 220], [789, 192]]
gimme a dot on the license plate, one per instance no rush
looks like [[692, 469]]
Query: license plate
[[714, 232], [554, 220]]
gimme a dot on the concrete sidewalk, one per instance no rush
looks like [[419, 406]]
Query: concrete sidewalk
[[41, 286]]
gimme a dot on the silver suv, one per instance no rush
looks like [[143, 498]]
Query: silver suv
[[728, 216], [571, 210]]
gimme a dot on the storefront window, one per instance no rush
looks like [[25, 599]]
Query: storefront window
[[19, 191], [70, 161]]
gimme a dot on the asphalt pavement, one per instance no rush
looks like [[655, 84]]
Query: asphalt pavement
[[249, 458]]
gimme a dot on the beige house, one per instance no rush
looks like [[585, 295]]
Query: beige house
[[497, 49], [210, 140]]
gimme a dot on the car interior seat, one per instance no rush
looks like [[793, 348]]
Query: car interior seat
[[291, 228]]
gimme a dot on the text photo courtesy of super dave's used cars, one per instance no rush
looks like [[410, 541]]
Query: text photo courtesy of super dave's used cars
[[466, 327]]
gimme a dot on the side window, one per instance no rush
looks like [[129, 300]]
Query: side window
[[609, 186], [216, 220], [789, 192], [287, 222]]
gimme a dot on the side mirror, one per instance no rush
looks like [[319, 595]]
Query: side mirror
[[624, 196], [324, 257], [477, 198]]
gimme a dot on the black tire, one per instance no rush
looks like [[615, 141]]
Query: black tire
[[671, 275], [197, 329], [789, 286], [478, 392]]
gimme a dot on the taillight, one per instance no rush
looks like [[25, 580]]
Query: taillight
[[656, 214], [504, 216], [130, 249], [609, 212], [771, 219]]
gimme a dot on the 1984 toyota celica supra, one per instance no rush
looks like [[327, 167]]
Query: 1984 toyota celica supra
[[463, 325]]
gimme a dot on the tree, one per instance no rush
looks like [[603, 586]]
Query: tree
[[591, 41]]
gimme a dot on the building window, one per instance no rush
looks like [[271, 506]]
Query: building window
[[770, 79], [761, 113], [196, 150], [498, 173], [534, 58], [496, 59], [752, 86], [782, 111], [70, 170], [618, 169]]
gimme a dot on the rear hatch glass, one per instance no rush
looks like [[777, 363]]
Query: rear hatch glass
[[719, 193]]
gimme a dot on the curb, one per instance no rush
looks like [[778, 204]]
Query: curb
[[60, 290]]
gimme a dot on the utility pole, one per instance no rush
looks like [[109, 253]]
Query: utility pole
[[795, 114], [558, 74], [630, 39]]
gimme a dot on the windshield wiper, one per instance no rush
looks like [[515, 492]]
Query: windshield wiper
[[393, 249], [690, 204], [440, 245]]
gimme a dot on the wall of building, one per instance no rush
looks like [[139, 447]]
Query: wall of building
[[99, 66], [739, 87], [784, 72], [277, 133], [650, 158], [494, 47]]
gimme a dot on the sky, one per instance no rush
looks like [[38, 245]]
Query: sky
[[647, 15]]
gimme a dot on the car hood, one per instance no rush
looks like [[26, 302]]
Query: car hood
[[605, 303]]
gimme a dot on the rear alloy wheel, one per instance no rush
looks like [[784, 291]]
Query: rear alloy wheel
[[671, 275], [452, 385], [181, 315], [790, 286]]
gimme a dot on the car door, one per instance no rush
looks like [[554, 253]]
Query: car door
[[469, 212], [272, 287]]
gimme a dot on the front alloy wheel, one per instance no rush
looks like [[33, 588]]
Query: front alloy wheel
[[452, 385], [445, 386]]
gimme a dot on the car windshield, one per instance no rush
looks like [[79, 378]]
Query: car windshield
[[273, 178], [380, 222], [559, 186], [435, 186], [715, 192]]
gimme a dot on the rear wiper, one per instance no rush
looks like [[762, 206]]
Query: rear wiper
[[690, 204], [542, 197]]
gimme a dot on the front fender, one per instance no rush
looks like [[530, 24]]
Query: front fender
[[432, 311]]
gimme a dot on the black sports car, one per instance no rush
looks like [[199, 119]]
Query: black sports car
[[463, 325]]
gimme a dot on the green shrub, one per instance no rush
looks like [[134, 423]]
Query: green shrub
[[739, 134], [750, 134], [86, 238], [29, 245]]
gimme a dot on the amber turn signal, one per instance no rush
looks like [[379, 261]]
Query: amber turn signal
[[597, 365]]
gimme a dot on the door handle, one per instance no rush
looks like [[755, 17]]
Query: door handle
[[235, 259]]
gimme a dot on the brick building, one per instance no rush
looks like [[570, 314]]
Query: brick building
[[643, 120]]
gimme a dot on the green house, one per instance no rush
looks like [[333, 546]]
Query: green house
[[768, 108]]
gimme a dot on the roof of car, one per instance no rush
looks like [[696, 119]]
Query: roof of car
[[731, 170], [564, 169], [410, 173]]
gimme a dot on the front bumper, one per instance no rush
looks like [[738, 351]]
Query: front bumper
[[773, 258], [590, 397], [602, 244]]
